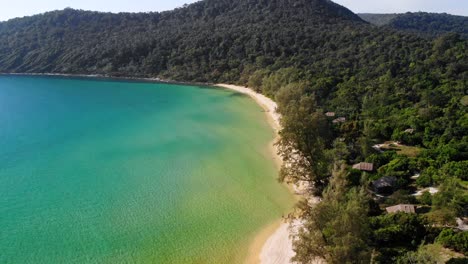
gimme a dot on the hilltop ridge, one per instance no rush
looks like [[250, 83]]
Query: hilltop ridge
[[203, 37], [422, 23], [342, 86]]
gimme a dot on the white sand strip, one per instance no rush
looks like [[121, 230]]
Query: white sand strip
[[268, 105], [278, 248]]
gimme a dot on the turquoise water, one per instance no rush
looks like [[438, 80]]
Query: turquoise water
[[95, 171]]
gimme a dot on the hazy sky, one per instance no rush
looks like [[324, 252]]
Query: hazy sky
[[455, 7], [19, 8]]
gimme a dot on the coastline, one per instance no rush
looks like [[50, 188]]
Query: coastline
[[106, 77], [266, 103], [273, 244]]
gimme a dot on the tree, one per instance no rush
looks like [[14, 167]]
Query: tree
[[424, 255], [336, 229], [451, 196], [398, 230], [255, 80], [303, 137], [455, 240], [311, 56], [425, 198]]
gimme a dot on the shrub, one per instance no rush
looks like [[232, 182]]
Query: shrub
[[457, 241]]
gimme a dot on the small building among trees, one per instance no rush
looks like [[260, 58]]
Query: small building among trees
[[339, 120], [330, 114], [385, 185], [405, 208], [364, 166]]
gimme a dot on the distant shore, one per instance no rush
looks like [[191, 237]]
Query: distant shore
[[106, 77]]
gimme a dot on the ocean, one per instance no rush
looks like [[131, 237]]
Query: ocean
[[107, 171]]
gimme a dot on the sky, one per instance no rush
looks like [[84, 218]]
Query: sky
[[19, 8], [454, 7]]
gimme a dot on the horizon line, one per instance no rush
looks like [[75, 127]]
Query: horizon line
[[187, 5]]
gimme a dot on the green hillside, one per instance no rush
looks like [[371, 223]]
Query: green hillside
[[312, 57], [424, 24]]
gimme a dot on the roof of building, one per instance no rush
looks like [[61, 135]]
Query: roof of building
[[340, 120], [330, 113], [364, 166], [386, 181], [406, 208]]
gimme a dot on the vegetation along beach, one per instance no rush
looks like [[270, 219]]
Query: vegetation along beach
[[234, 131]]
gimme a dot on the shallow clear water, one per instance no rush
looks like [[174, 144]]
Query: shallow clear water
[[95, 171]]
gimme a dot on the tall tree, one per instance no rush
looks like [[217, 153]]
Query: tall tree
[[303, 137], [336, 229]]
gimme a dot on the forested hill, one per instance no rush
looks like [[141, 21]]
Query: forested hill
[[425, 24], [378, 19], [343, 87], [206, 41]]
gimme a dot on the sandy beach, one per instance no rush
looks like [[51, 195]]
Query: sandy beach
[[266, 103], [273, 245]]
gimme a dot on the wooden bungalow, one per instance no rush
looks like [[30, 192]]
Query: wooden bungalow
[[385, 185], [339, 120], [405, 208], [364, 166]]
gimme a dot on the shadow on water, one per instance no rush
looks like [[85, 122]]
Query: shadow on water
[[232, 93], [207, 87], [236, 94]]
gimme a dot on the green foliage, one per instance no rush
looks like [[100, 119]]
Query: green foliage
[[398, 164], [457, 261], [454, 240], [456, 169], [336, 229], [378, 19], [425, 198], [380, 159], [255, 80], [426, 254], [398, 230], [272, 84], [312, 56], [451, 196], [427, 177], [354, 177], [303, 137], [211, 40], [400, 197], [442, 216], [399, 167], [430, 24]]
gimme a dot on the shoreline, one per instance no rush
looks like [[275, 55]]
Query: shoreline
[[273, 244], [266, 103], [107, 77]]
